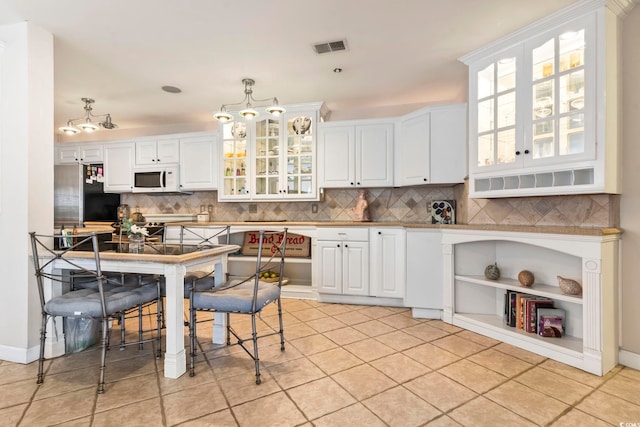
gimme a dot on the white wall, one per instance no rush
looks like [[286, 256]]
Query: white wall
[[630, 201], [26, 187]]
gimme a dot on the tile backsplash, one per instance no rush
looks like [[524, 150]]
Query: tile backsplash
[[405, 204]]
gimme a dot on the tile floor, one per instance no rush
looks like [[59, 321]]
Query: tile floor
[[343, 365]]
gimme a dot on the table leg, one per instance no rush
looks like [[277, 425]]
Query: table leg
[[175, 361], [219, 332]]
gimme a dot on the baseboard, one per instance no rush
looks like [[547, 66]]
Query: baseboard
[[426, 313], [19, 355], [627, 358]]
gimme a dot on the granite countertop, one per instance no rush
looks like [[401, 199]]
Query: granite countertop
[[583, 231]]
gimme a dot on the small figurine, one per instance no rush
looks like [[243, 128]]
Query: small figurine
[[361, 209]]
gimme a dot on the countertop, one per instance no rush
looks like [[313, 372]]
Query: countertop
[[582, 231]]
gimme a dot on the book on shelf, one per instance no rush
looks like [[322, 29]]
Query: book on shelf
[[551, 322], [530, 313]]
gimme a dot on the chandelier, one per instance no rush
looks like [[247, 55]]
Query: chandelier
[[249, 112], [87, 125]]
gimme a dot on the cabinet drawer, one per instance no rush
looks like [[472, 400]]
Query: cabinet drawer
[[346, 233]]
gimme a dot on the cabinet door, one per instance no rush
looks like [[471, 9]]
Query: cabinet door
[[66, 154], [118, 164], [355, 269], [374, 155], [387, 262], [336, 149], [234, 175], [448, 144], [168, 151], [327, 266], [146, 153], [412, 154], [91, 154], [424, 269], [299, 157], [199, 163]]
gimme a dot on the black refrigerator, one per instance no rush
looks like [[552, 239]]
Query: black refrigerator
[[79, 196]]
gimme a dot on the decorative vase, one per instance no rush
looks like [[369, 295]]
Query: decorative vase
[[492, 272], [569, 286], [525, 277], [136, 244]]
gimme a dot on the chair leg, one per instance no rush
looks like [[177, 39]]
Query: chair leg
[[122, 331], [228, 322], [281, 325], [103, 357], [160, 317], [254, 337], [43, 336], [140, 346], [192, 340]]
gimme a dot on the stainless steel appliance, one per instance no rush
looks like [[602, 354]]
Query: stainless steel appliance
[[155, 179], [79, 196]]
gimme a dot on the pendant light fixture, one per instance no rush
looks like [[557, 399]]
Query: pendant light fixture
[[87, 125], [248, 112]]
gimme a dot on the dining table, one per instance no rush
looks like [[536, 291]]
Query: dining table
[[174, 262]]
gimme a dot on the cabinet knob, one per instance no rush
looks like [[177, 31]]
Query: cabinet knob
[[379, 232], [351, 183], [526, 151], [346, 246], [158, 160], [153, 160], [357, 183], [424, 179], [338, 245], [518, 153]]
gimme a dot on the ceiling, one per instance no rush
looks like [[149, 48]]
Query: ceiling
[[400, 53]]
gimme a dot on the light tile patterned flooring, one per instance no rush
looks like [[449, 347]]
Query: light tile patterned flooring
[[344, 365]]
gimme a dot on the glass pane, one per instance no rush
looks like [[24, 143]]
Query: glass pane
[[543, 99], [572, 134], [293, 165], [485, 82], [572, 91], [274, 166], [507, 110], [241, 184], [571, 49], [261, 185], [485, 150], [274, 184], [543, 58], [306, 164], [543, 139], [485, 115], [261, 167], [292, 185], [274, 128], [305, 185], [506, 74], [261, 129], [226, 130], [507, 146]]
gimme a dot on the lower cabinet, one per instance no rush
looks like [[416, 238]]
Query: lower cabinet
[[387, 262], [424, 272], [588, 320], [341, 261]]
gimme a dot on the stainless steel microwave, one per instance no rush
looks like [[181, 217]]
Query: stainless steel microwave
[[155, 179]]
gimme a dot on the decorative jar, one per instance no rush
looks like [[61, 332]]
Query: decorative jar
[[136, 244]]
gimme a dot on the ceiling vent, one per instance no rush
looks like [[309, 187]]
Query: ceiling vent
[[328, 47]]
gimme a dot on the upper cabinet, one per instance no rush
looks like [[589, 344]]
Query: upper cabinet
[[539, 122], [153, 152], [199, 163], [270, 158], [118, 162], [430, 146], [356, 153], [82, 154]]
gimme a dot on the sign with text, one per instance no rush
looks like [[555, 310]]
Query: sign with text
[[297, 245]]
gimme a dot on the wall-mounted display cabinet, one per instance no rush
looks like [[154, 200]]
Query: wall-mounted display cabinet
[[271, 158], [539, 121]]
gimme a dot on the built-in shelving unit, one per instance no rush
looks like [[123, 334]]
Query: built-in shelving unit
[[473, 302]]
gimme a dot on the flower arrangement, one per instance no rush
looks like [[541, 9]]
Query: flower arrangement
[[132, 229]]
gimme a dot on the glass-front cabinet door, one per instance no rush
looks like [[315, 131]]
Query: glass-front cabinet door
[[235, 149], [299, 155], [267, 158], [561, 109]]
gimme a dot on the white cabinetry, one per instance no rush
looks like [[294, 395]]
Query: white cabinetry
[[118, 162], [341, 261], [356, 153], [424, 273], [199, 163], [387, 262], [155, 152], [475, 303], [83, 154], [539, 121], [431, 146]]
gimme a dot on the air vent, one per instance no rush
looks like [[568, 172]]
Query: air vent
[[335, 46]]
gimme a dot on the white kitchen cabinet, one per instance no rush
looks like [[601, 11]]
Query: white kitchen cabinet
[[539, 121], [199, 163], [82, 154], [356, 153], [161, 151], [387, 262], [424, 273], [341, 261], [272, 157], [431, 145], [118, 163], [475, 303]]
